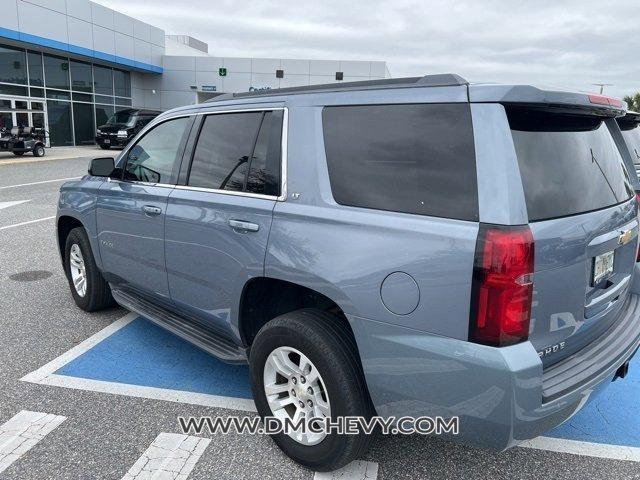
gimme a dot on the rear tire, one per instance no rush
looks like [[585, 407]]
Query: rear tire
[[18, 154], [89, 290], [330, 347]]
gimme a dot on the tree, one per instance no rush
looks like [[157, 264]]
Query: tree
[[633, 102]]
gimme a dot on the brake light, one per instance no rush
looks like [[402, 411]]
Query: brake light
[[603, 100], [502, 285]]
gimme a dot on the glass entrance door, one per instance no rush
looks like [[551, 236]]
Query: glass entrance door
[[23, 113]]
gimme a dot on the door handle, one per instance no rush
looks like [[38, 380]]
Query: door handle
[[151, 211], [242, 226]]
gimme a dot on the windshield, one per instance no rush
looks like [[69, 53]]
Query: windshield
[[122, 118], [569, 164], [632, 138]]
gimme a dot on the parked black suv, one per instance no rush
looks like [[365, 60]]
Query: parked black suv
[[122, 126]]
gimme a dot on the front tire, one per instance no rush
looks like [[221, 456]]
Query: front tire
[[89, 290], [38, 151], [311, 345]]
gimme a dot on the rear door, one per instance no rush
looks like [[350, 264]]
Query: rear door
[[218, 224], [583, 218]]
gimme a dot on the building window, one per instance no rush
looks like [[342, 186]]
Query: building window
[[339, 75], [13, 66], [103, 80], [36, 76], [122, 83], [279, 73], [81, 80], [103, 112], [59, 122], [83, 123], [56, 72]]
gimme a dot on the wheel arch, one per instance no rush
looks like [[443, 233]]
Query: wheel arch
[[64, 225], [264, 298]]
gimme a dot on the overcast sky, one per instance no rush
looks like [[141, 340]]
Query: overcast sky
[[565, 43]]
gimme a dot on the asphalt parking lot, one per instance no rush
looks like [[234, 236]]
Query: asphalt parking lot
[[108, 387]]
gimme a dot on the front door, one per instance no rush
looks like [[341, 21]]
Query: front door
[[131, 209], [217, 226]]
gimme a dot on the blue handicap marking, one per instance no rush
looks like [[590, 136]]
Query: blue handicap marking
[[612, 417], [144, 354]]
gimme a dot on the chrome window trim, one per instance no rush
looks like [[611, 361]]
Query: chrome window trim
[[144, 184], [283, 153]]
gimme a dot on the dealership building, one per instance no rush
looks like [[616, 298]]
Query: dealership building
[[68, 65]]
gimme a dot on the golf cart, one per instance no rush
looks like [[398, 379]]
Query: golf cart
[[19, 140]]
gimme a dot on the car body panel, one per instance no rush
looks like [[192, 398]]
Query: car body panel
[[131, 242], [208, 262], [78, 200]]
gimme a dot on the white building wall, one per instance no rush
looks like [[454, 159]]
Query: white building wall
[[184, 76], [83, 28]]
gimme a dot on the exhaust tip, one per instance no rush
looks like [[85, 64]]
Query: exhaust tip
[[622, 371]]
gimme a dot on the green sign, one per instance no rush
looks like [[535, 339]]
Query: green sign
[[222, 72]]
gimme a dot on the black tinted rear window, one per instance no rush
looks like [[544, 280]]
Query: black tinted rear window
[[569, 164], [416, 158]]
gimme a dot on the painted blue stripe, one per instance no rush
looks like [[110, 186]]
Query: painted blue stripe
[[12, 34], [146, 355], [78, 50], [612, 417]]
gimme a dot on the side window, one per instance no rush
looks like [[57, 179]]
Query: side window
[[155, 157], [239, 152], [414, 158]]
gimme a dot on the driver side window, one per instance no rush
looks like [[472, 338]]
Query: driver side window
[[155, 157]]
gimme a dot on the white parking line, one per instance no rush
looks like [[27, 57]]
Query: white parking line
[[27, 223], [576, 447], [21, 432], [45, 375], [40, 183], [171, 456], [357, 470], [12, 204]]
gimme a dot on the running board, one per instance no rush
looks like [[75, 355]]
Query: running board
[[185, 328]]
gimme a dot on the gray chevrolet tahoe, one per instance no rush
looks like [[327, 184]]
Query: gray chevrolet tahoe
[[406, 247]]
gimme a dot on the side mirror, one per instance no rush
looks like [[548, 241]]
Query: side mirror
[[102, 167]]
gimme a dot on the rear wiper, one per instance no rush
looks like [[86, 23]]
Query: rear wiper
[[595, 160]]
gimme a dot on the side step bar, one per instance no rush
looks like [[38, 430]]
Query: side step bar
[[185, 328]]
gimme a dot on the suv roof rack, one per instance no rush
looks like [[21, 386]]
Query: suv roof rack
[[437, 80]]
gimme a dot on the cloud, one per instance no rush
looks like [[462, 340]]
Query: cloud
[[570, 43]]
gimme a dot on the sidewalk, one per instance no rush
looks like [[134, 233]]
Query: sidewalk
[[58, 153]]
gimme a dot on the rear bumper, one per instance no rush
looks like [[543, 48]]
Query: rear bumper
[[496, 392]]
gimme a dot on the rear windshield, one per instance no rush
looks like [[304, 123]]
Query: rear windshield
[[631, 134], [414, 158], [569, 164]]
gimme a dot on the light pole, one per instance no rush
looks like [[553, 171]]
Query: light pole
[[602, 85]]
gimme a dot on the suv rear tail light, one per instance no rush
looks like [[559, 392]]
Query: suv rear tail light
[[502, 285]]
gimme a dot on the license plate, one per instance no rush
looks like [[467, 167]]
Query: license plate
[[107, 142], [602, 267]]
